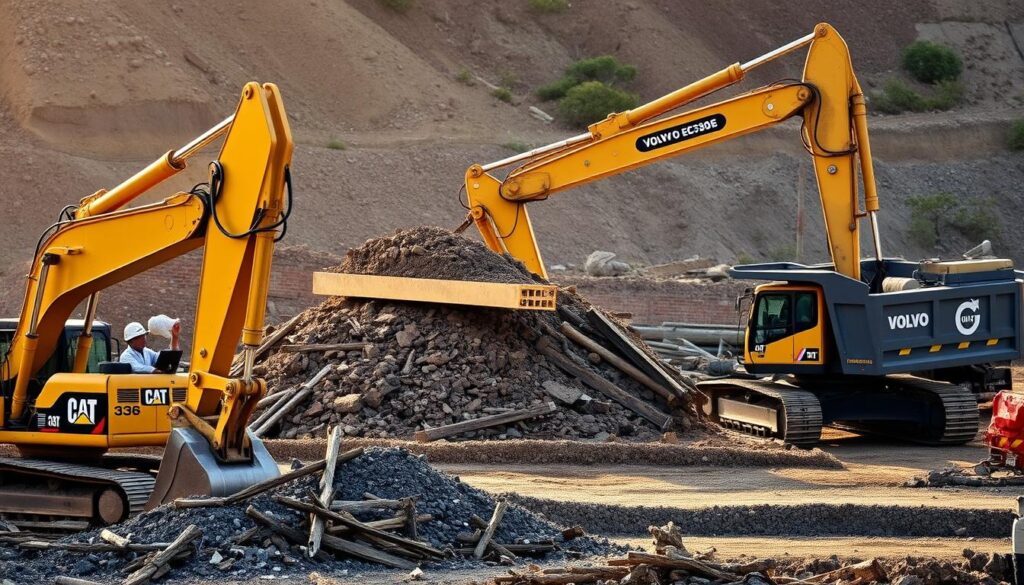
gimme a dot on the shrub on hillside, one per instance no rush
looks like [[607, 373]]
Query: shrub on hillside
[[932, 215], [896, 96], [930, 62], [1016, 140], [398, 5], [549, 5], [606, 69], [591, 101]]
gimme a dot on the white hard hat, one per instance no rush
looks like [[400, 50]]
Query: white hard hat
[[133, 330]]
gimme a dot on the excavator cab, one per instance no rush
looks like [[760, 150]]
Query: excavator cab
[[786, 328]]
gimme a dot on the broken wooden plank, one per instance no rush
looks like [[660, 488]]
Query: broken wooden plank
[[356, 506], [386, 524], [346, 519], [614, 334], [316, 529], [484, 422], [661, 420], [480, 523], [610, 357], [312, 347], [162, 558], [282, 408], [499, 511], [237, 365], [692, 565], [114, 539]]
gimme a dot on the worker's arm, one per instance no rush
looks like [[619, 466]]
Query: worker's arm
[[176, 335]]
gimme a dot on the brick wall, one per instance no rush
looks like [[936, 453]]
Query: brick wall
[[656, 302]]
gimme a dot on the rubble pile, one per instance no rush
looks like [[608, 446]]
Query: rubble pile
[[673, 563], [398, 368], [235, 544]]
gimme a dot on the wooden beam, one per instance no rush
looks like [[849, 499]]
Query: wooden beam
[[316, 529], [492, 526], [255, 490], [277, 412], [484, 422], [311, 347], [610, 357], [614, 334], [535, 297], [661, 420], [192, 532]]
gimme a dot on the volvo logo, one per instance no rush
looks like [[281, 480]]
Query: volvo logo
[[968, 317], [909, 321]]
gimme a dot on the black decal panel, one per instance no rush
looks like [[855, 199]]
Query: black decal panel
[[76, 413], [680, 133]]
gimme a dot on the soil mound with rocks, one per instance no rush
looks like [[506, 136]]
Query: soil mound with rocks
[[386, 473], [428, 365]]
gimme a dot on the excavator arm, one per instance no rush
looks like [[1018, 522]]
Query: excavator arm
[[834, 131], [235, 220]]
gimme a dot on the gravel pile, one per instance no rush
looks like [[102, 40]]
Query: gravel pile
[[427, 365], [773, 520], [387, 473]]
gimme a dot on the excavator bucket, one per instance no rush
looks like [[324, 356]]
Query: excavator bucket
[[190, 468]]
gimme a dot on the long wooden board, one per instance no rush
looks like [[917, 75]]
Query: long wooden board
[[532, 297]]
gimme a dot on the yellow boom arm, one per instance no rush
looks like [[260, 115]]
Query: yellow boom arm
[[236, 222], [835, 132]]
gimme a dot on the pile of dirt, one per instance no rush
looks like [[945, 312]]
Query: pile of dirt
[[975, 567], [773, 520], [386, 473], [425, 365]]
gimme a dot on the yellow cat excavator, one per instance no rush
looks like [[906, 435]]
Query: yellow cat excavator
[[64, 412], [875, 345]]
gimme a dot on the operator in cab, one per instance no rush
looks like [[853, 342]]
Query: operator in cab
[[142, 359]]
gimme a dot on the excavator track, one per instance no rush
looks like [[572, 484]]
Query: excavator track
[[765, 409], [42, 494], [954, 411]]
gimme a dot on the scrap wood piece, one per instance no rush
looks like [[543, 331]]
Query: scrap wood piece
[[237, 364], [313, 347], [316, 529], [622, 365], [566, 576], [865, 572], [274, 525], [357, 526], [614, 334], [481, 524], [492, 526], [688, 564], [356, 506], [484, 422], [89, 547], [161, 559], [62, 580], [272, 415], [114, 539], [661, 420], [386, 524], [261, 487]]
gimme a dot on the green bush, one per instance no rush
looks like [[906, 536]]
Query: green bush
[[549, 5], [336, 145], [504, 94], [931, 215], [1016, 140], [896, 96], [464, 76], [591, 101], [398, 5], [948, 93], [931, 62], [605, 69]]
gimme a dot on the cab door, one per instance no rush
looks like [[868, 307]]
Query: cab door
[[785, 328]]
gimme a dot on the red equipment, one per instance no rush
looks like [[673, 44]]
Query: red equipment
[[1005, 435]]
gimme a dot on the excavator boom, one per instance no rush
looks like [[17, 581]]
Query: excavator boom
[[828, 98]]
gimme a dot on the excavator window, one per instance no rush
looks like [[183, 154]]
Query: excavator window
[[782, 314], [98, 352], [773, 318]]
